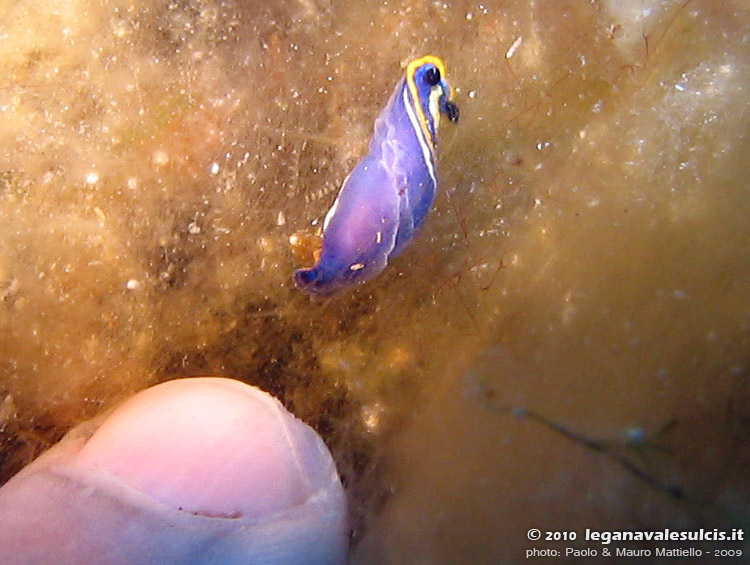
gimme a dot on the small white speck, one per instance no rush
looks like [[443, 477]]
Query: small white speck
[[265, 245], [379, 237], [214, 168], [92, 177], [194, 228], [280, 219], [357, 267], [472, 94], [160, 158], [680, 87], [514, 46], [371, 417], [132, 183], [469, 16], [132, 284]]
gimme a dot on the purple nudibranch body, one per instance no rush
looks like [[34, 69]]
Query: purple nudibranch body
[[387, 196]]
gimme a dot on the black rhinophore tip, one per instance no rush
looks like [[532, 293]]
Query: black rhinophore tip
[[432, 76], [451, 110]]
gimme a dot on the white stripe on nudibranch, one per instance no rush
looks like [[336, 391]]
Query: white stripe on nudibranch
[[332, 209], [426, 149], [331, 212], [435, 107]]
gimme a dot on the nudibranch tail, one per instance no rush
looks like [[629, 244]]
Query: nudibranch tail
[[316, 281], [388, 195], [306, 278]]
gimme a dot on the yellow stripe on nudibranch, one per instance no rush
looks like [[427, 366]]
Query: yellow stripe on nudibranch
[[411, 70], [428, 149]]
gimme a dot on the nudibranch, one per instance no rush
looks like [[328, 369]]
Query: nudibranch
[[387, 196]]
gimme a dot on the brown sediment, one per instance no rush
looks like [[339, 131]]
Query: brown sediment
[[586, 260]]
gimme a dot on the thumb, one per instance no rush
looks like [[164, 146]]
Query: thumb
[[199, 470]]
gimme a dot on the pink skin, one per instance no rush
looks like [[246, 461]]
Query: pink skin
[[200, 470]]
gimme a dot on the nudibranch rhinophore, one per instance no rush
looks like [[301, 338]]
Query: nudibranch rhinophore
[[387, 196]]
